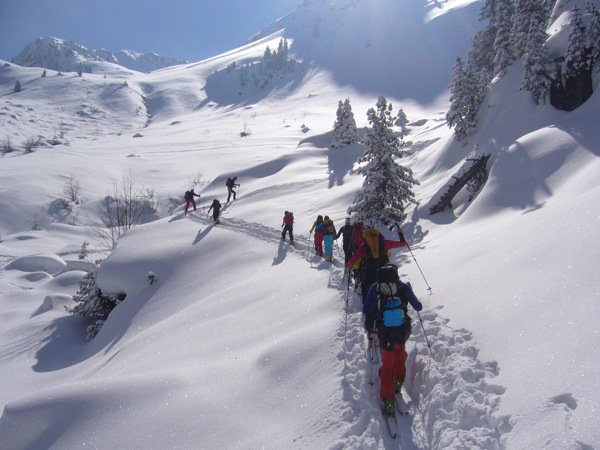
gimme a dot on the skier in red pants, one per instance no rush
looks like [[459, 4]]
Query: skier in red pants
[[318, 228], [189, 200], [386, 309]]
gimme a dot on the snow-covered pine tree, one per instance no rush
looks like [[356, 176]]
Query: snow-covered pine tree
[[578, 57], [83, 252], [481, 55], [244, 74], [466, 94], [401, 122], [523, 16], [387, 188], [282, 54], [344, 127], [594, 34], [93, 304], [536, 77], [488, 10], [503, 51]]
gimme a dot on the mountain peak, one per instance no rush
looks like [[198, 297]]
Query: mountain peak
[[68, 56]]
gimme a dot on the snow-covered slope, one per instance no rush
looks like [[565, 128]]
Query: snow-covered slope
[[398, 49], [247, 342], [68, 56]]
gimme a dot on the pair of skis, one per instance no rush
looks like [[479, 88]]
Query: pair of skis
[[391, 420]]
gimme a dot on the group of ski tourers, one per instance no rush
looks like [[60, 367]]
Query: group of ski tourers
[[215, 207], [385, 298], [385, 301]]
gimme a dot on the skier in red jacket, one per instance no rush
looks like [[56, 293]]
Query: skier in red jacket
[[371, 255], [288, 226]]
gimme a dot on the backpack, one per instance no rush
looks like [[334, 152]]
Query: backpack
[[370, 260], [329, 227], [392, 310], [229, 182], [187, 195], [357, 232], [393, 322], [289, 218]]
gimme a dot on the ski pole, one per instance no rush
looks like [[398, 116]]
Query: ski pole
[[424, 333], [402, 238], [419, 267], [346, 332]]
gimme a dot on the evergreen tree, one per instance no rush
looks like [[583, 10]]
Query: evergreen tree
[[466, 94], [594, 34], [488, 10], [503, 51], [344, 128], [536, 78], [92, 304], [481, 55], [282, 54], [83, 252], [578, 57], [525, 10], [387, 188], [402, 121]]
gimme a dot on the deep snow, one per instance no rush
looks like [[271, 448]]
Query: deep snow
[[247, 342]]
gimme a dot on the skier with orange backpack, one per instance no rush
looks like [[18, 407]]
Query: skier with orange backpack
[[370, 256]]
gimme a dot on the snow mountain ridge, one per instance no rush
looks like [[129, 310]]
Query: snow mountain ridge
[[68, 56], [246, 342]]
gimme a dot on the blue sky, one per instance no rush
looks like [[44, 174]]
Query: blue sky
[[184, 29]]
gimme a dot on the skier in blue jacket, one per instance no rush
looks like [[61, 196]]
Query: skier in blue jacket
[[392, 338]]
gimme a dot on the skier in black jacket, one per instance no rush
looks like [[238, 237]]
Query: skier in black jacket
[[346, 233]]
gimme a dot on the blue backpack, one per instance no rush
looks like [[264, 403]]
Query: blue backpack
[[391, 308], [390, 304]]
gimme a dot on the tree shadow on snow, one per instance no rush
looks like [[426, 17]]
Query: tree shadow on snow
[[339, 160], [520, 181], [66, 345]]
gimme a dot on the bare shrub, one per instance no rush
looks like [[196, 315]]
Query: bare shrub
[[125, 208], [71, 190], [7, 146], [31, 143]]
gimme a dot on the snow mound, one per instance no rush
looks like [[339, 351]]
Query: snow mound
[[51, 264], [53, 302]]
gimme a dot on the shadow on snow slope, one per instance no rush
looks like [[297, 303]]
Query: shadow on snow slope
[[339, 160], [225, 87], [385, 48]]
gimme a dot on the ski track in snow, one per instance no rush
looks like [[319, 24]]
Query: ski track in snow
[[452, 406]]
